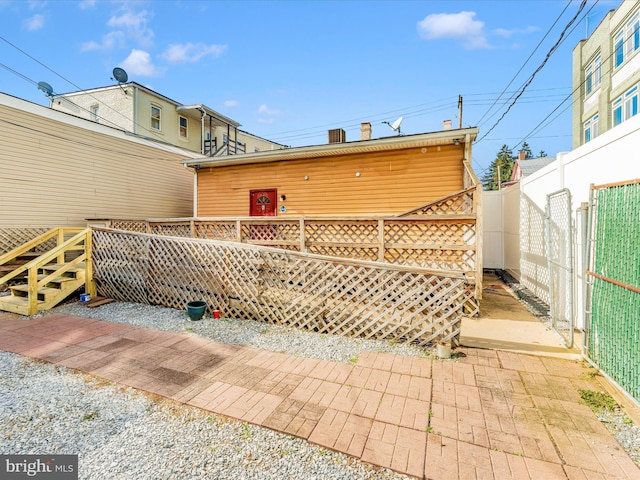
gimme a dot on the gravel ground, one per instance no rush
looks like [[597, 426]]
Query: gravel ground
[[121, 433]]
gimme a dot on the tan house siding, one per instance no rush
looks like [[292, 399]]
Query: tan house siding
[[128, 107], [57, 173], [389, 183]]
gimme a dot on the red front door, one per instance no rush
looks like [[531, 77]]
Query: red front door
[[263, 204]]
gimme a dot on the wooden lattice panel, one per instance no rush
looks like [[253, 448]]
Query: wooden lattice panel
[[351, 231], [13, 237], [216, 230], [433, 233], [130, 225], [273, 233], [449, 260], [172, 229], [344, 297], [361, 253], [460, 203]]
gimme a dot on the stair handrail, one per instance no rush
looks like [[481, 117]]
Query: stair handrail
[[48, 256], [24, 248]]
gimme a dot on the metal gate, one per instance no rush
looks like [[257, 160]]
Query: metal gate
[[559, 243]]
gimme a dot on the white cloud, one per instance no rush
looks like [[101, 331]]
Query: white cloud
[[36, 4], [460, 26], [231, 103], [266, 120], [109, 41], [139, 63], [84, 4], [191, 52], [267, 111], [135, 25], [34, 23], [506, 33]]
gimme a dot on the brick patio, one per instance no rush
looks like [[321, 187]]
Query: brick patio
[[487, 415]]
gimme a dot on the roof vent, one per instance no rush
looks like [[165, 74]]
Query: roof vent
[[337, 135]]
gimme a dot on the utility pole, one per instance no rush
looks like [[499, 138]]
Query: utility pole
[[459, 111], [499, 179]]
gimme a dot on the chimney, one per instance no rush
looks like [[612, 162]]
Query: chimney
[[446, 125], [522, 155], [337, 135], [365, 131]]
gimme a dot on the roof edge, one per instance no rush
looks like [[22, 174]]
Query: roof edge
[[443, 137]]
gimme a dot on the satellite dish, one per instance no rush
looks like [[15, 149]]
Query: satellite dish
[[120, 75], [46, 88], [396, 125]]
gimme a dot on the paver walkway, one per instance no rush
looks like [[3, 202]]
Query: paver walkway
[[488, 415]]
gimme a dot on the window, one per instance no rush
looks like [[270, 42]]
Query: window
[[593, 75], [617, 112], [155, 117], [631, 103], [591, 129], [183, 127], [627, 41], [225, 139], [633, 34], [625, 106], [95, 112], [618, 48]]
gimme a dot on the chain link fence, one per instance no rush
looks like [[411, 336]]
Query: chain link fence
[[559, 237]]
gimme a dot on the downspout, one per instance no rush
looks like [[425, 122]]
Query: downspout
[[135, 109], [202, 131], [195, 192]]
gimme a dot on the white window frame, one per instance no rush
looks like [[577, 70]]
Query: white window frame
[[157, 118], [632, 26], [618, 43], [630, 103], [182, 129], [591, 128], [627, 104], [626, 41], [593, 76], [94, 111]]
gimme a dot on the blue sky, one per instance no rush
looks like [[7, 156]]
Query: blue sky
[[289, 71]]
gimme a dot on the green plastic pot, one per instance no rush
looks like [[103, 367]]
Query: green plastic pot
[[196, 309]]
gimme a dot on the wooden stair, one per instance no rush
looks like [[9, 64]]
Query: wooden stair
[[52, 293], [46, 280]]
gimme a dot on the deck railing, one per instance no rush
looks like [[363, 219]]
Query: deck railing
[[441, 235]]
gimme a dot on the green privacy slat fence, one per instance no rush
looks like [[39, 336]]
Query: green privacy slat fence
[[613, 330]]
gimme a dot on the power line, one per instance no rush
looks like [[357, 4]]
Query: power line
[[76, 86], [540, 67], [525, 62]]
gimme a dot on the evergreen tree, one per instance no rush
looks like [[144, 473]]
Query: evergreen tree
[[527, 150], [500, 168]]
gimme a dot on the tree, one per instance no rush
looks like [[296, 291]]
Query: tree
[[527, 150], [500, 169]]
